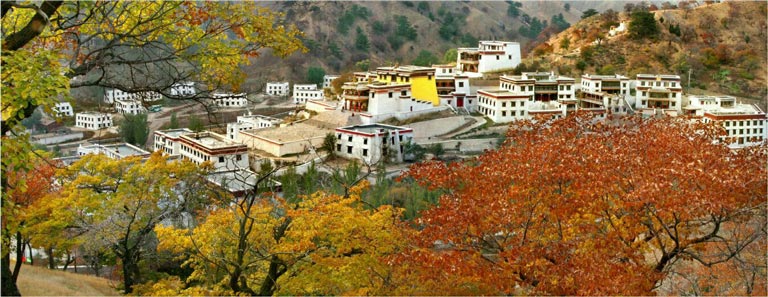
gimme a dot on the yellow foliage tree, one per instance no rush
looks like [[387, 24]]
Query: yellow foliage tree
[[117, 203], [323, 245]]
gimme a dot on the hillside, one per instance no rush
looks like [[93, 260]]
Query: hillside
[[723, 45], [436, 27], [38, 281]]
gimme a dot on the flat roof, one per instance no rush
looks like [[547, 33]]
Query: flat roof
[[373, 128], [125, 149], [175, 133], [210, 140]]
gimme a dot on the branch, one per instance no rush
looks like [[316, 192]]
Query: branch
[[34, 27]]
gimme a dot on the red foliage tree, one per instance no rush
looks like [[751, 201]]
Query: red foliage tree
[[579, 207]]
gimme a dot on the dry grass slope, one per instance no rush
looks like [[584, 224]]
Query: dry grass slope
[[38, 281]]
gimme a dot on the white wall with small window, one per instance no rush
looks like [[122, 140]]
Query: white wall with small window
[[93, 120], [63, 109], [116, 94], [372, 143], [305, 92], [230, 100], [224, 155], [277, 88]]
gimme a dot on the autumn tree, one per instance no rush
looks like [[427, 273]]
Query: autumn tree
[[50, 46], [323, 244], [18, 208], [584, 207], [119, 202]]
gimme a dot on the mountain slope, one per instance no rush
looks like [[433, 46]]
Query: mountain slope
[[439, 26], [723, 45]]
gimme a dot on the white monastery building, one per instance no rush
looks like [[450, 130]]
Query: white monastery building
[[489, 56], [129, 106], [662, 93], [250, 122], [524, 96], [277, 88], [168, 140], [230, 100], [93, 120], [305, 92], [117, 94], [183, 89], [225, 155], [604, 93], [453, 88], [372, 143], [745, 124], [327, 79], [63, 109]]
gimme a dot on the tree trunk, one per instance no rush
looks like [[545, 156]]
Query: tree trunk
[[131, 272], [51, 258], [19, 256], [9, 287], [276, 269]]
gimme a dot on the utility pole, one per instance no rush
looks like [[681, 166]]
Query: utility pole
[[689, 79]]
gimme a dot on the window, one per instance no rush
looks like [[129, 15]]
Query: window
[[338, 147], [221, 159], [497, 57], [522, 103], [503, 113], [239, 157], [509, 57], [403, 93], [390, 94], [365, 152], [504, 104], [461, 84], [349, 149], [349, 139], [365, 140]]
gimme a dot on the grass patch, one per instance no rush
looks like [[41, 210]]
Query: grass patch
[[38, 281]]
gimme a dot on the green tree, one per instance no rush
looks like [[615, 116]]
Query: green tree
[[196, 124], [174, 124], [588, 13], [404, 27], [134, 129], [558, 21], [425, 58], [361, 40], [514, 9], [335, 50], [378, 27], [565, 43], [581, 65], [643, 25], [436, 150], [567, 7], [451, 55], [315, 75], [329, 143], [363, 65]]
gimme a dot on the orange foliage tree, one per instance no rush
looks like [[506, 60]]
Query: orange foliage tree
[[21, 198], [578, 206]]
